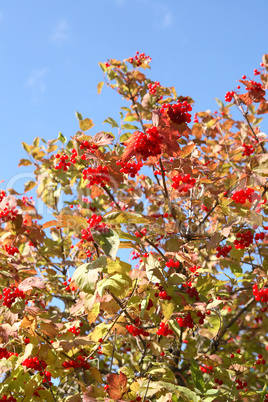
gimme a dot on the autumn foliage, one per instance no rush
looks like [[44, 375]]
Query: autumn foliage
[[138, 269]]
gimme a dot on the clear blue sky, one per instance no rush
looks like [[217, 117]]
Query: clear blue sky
[[50, 52]]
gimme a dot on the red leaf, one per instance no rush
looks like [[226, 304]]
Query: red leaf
[[117, 385]]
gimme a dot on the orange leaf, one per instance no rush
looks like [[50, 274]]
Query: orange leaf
[[117, 385]]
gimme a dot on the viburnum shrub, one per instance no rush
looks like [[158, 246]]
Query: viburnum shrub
[[149, 281]]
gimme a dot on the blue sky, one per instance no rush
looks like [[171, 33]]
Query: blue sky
[[50, 52]]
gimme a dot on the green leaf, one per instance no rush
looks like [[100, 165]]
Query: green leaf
[[111, 121], [117, 284], [62, 138], [78, 116], [87, 274], [129, 127], [220, 103], [109, 242], [130, 118], [86, 124], [29, 185], [191, 395], [118, 266], [27, 147], [167, 309], [125, 217], [197, 376], [153, 269], [144, 304]]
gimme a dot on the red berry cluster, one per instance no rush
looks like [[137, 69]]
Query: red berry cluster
[[162, 294], [139, 58], [240, 384], [99, 175], [171, 263], [178, 112], [8, 399], [191, 290], [10, 295], [223, 251], [256, 72], [74, 330], [148, 144], [217, 381], [229, 96], [205, 208], [5, 354], [260, 360], [202, 316], [254, 86], [136, 331], [64, 162], [206, 369], [141, 233], [153, 87], [243, 240], [194, 269], [67, 287], [183, 183], [259, 236], [186, 321], [89, 146], [240, 197], [93, 223], [195, 120], [260, 294], [164, 330], [130, 168], [34, 363], [135, 255], [8, 214], [11, 250], [248, 149], [80, 362]]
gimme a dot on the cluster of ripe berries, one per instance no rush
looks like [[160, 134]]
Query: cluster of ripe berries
[[243, 240], [178, 112], [141, 233], [10, 295], [186, 321], [241, 196], [11, 250], [38, 365], [229, 96], [218, 381], [67, 287], [5, 398], [248, 149], [99, 175], [206, 369], [162, 294], [153, 87], [149, 143], [240, 384], [89, 146], [74, 330], [136, 331], [223, 251], [191, 290], [139, 58], [183, 183], [254, 86], [260, 294], [80, 362], [5, 354], [131, 168], [164, 330], [260, 360], [8, 214], [64, 162], [194, 270], [259, 236], [171, 263], [93, 223]]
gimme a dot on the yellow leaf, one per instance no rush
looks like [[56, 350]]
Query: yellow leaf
[[86, 124], [96, 374]]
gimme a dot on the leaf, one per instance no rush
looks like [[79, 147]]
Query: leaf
[[111, 121], [29, 185], [86, 124], [117, 385], [187, 150], [118, 266], [32, 282], [153, 271], [78, 116], [167, 310], [99, 86], [118, 284], [86, 275], [125, 217], [183, 390], [109, 242], [62, 138], [197, 376], [50, 224], [96, 374], [102, 139], [25, 162]]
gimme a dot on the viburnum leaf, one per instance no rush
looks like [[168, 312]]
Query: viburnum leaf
[[117, 385]]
